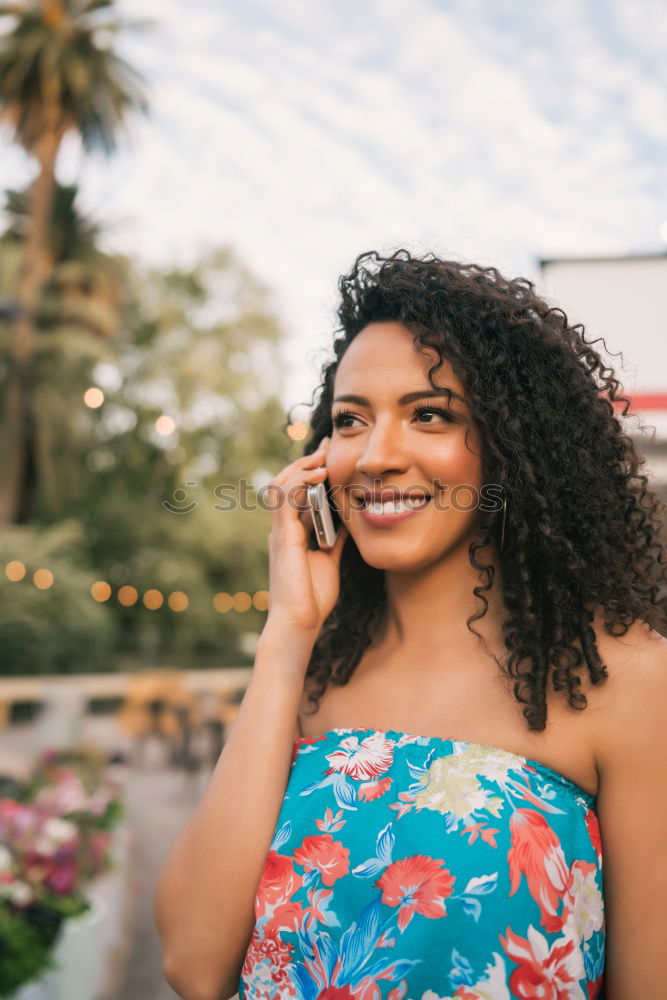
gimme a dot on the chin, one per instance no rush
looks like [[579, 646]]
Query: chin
[[397, 557]]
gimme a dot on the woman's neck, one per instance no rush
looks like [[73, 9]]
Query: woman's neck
[[428, 609]]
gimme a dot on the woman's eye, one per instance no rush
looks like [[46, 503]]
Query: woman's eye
[[433, 409], [340, 417], [345, 415]]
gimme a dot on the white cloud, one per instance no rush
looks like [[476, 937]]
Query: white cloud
[[304, 133]]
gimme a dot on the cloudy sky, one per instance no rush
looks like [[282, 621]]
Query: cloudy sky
[[306, 132]]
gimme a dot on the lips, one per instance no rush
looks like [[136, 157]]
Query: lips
[[387, 518], [383, 496]]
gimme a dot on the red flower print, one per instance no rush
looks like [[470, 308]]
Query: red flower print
[[336, 993], [331, 822], [319, 900], [287, 916], [548, 973], [418, 884], [398, 992], [269, 952], [593, 989], [593, 827], [537, 854], [362, 760], [371, 790], [279, 881], [325, 854]]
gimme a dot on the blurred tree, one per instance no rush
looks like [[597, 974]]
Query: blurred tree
[[203, 349], [77, 320], [197, 345], [60, 628], [57, 74]]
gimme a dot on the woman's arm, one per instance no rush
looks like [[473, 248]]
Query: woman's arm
[[632, 809], [205, 895]]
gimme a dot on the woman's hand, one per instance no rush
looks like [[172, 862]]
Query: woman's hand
[[303, 583]]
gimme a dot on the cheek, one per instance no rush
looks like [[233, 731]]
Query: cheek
[[340, 469], [340, 464], [453, 462]]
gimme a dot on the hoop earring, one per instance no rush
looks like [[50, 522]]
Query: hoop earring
[[502, 530]]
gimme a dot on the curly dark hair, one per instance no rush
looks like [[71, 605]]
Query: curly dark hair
[[582, 529]]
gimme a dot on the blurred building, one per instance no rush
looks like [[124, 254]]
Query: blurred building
[[624, 300]]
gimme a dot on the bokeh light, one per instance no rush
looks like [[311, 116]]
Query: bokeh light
[[223, 602], [93, 397], [101, 590], [153, 599], [43, 578], [165, 425], [178, 601], [128, 595], [242, 601], [297, 430], [14, 570], [261, 600]]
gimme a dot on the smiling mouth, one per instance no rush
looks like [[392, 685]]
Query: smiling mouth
[[400, 506]]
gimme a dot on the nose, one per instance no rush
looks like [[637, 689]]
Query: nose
[[382, 454]]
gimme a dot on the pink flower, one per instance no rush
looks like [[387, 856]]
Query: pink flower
[[62, 876]]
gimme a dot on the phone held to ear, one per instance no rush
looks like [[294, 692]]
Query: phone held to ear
[[320, 509]]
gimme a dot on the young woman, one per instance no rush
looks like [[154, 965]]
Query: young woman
[[447, 777]]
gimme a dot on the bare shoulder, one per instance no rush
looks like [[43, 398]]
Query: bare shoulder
[[636, 665], [627, 711], [631, 751]]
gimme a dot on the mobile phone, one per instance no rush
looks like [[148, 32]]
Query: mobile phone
[[322, 514]]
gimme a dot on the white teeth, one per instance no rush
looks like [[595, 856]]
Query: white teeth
[[398, 506]]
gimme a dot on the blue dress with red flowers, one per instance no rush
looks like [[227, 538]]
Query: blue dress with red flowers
[[408, 867]]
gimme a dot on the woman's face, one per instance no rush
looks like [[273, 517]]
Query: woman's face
[[383, 442]]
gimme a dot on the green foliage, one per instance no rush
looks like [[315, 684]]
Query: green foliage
[[72, 235], [57, 51], [200, 345], [25, 949], [60, 629]]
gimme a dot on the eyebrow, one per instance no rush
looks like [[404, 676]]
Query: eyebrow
[[409, 397]]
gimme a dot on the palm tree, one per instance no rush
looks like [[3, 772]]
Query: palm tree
[[78, 323], [57, 74]]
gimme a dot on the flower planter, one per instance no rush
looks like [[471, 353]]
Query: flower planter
[[110, 888], [78, 952], [34, 991]]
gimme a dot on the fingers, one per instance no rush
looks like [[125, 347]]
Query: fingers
[[302, 463], [287, 491], [337, 549]]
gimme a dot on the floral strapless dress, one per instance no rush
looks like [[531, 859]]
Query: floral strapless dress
[[408, 867]]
